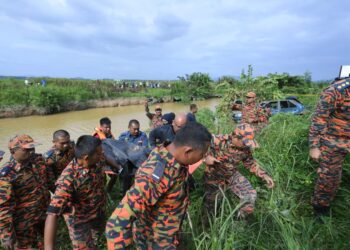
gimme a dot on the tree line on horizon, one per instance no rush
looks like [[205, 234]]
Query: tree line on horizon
[[195, 86]]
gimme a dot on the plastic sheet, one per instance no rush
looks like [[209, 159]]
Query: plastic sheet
[[121, 152]]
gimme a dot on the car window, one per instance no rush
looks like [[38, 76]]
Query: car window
[[291, 105], [273, 105], [284, 104], [294, 98]]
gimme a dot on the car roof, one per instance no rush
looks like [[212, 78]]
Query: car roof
[[280, 100]]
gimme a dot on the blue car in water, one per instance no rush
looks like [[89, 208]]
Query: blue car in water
[[289, 105]]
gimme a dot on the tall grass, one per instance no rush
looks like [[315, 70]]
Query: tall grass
[[283, 218]]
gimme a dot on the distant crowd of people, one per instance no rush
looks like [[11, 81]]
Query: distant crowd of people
[[142, 84]]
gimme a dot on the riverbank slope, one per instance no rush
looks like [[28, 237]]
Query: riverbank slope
[[22, 110]]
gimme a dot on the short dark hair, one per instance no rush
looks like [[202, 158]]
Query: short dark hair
[[193, 134], [60, 133], [105, 120], [86, 145], [193, 106], [134, 121]]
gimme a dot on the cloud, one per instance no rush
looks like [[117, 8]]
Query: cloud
[[91, 25], [163, 39]]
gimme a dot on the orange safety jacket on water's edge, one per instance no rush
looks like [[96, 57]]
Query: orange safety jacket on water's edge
[[101, 135]]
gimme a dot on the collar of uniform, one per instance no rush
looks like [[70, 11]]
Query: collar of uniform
[[133, 136], [80, 168], [216, 139], [57, 152], [18, 166], [243, 149]]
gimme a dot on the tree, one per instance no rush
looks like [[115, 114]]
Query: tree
[[307, 78], [266, 88], [197, 85], [247, 78], [228, 80], [243, 76]]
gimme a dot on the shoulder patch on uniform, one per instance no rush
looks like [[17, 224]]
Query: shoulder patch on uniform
[[49, 153], [5, 171], [158, 170], [342, 85]]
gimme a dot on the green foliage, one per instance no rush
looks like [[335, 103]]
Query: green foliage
[[307, 77], [247, 78], [266, 88], [179, 90], [269, 87], [50, 98], [229, 80], [58, 93], [15, 96], [207, 118], [194, 86]]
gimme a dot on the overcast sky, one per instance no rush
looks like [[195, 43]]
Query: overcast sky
[[162, 39]]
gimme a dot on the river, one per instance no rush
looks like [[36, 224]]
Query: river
[[83, 122]]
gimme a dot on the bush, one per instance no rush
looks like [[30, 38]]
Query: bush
[[13, 96], [50, 98], [194, 86]]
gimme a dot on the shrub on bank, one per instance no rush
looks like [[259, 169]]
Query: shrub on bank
[[13, 97], [49, 98], [54, 97]]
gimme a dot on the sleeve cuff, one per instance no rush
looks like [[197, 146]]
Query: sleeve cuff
[[314, 143], [54, 210]]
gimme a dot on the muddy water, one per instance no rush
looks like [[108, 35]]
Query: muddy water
[[83, 122]]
